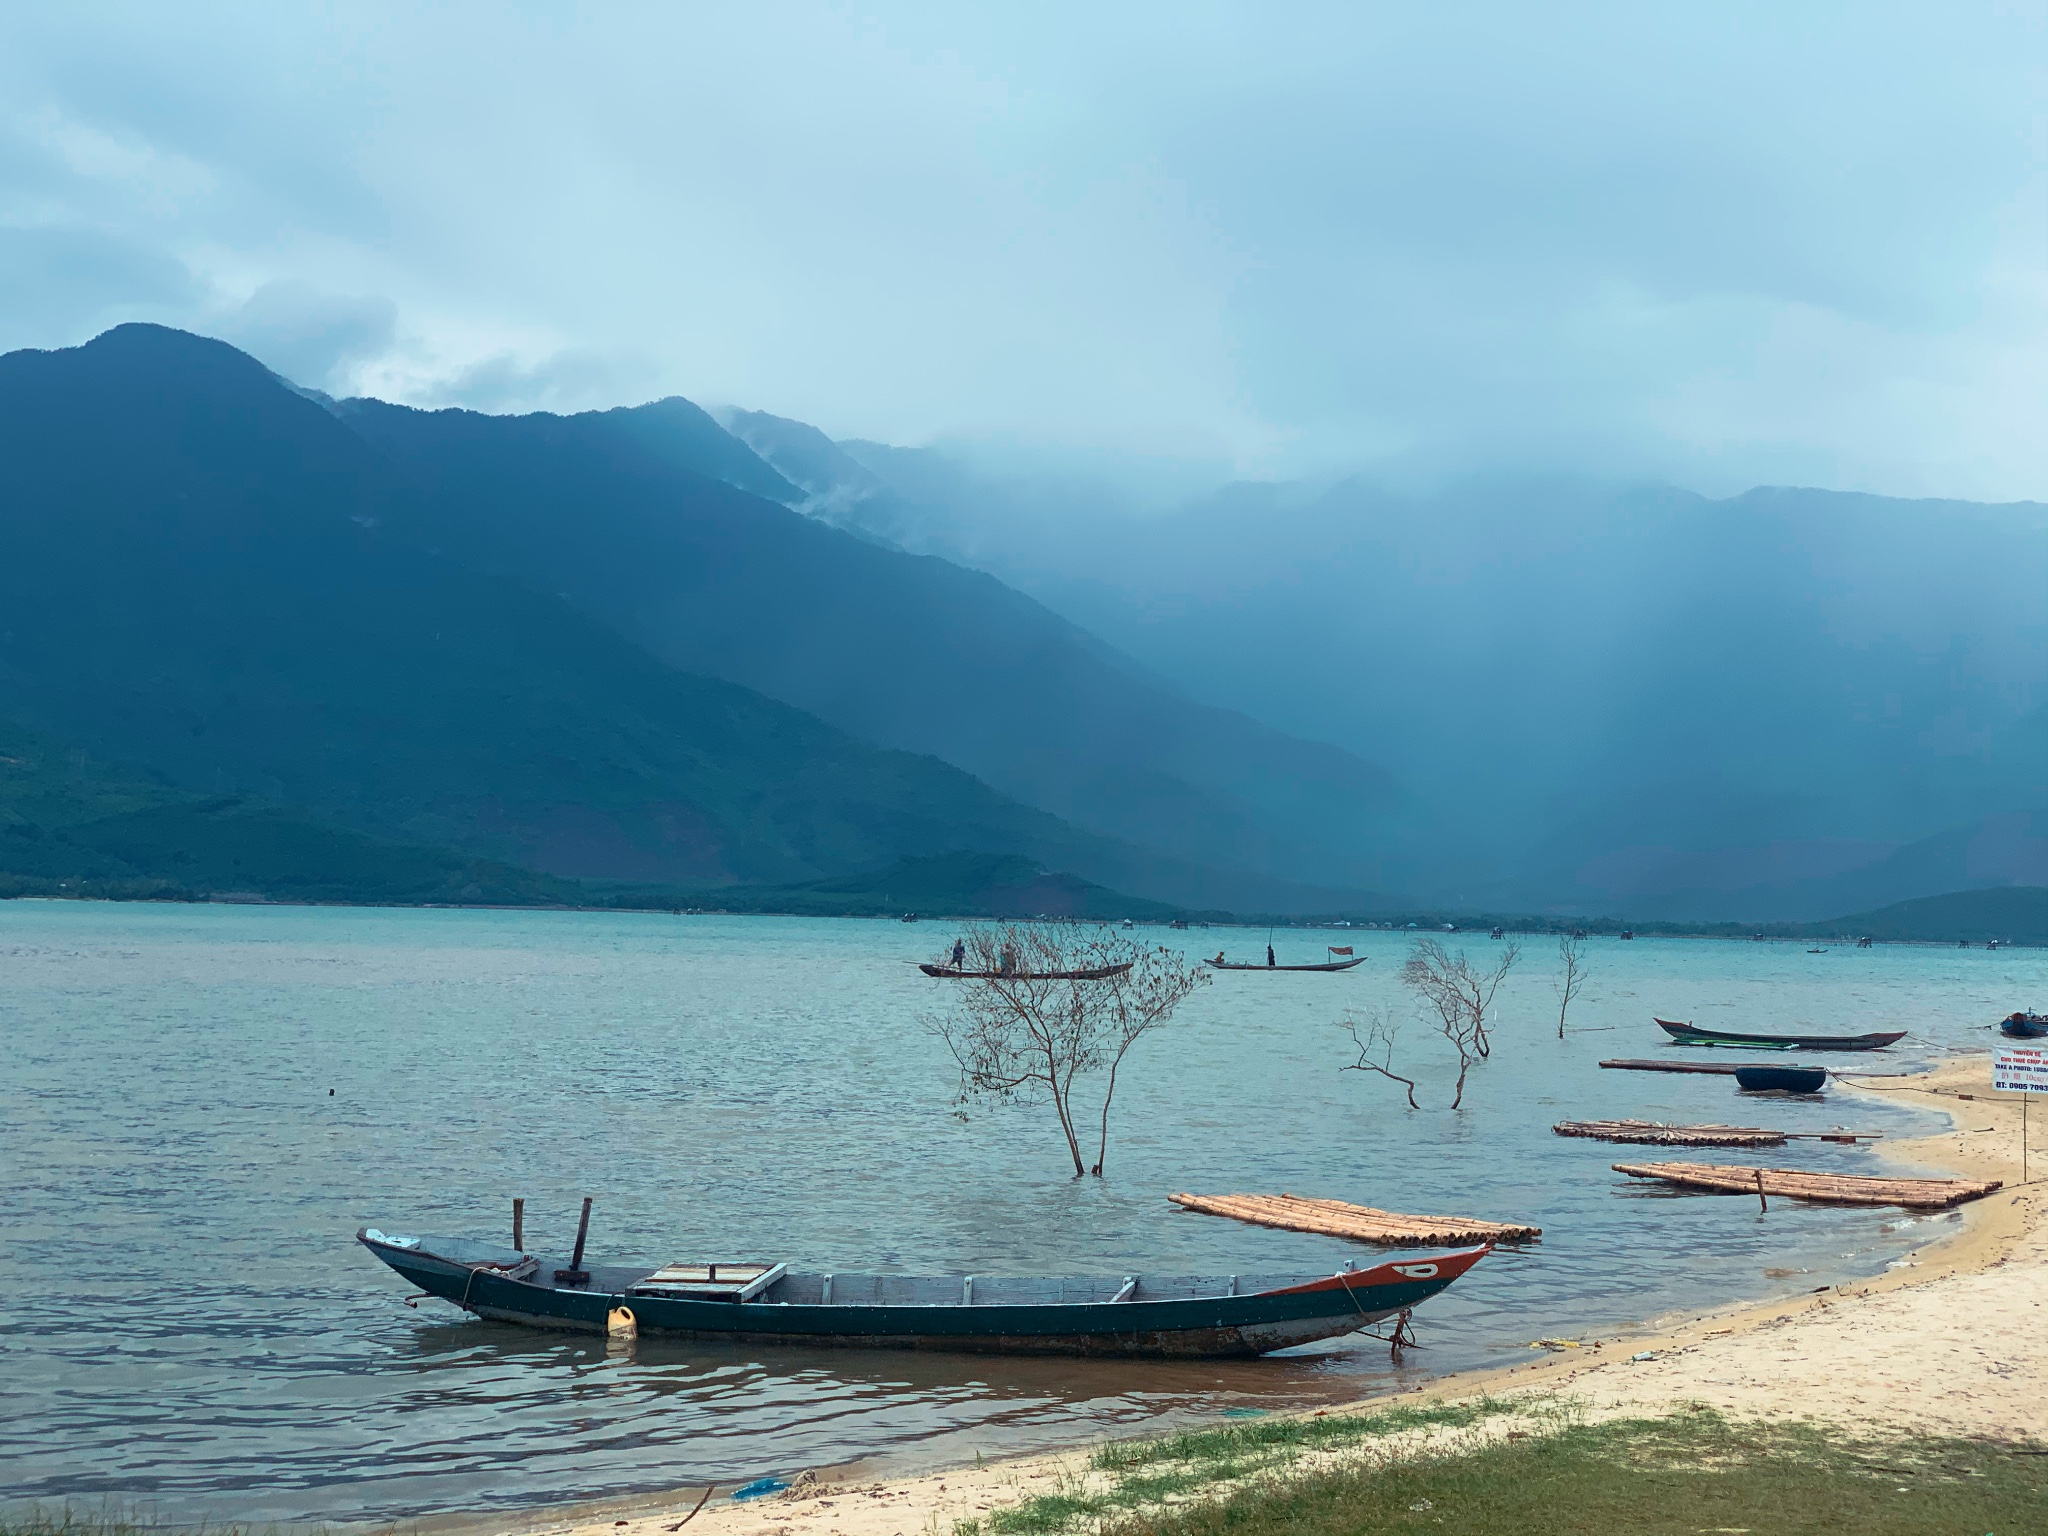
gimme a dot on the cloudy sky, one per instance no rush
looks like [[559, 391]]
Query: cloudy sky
[[1721, 244]]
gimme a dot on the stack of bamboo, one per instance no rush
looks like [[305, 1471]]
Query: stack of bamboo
[[1671, 1135], [1800, 1184], [1336, 1218]]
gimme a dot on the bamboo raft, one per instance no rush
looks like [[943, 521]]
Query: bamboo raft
[[1714, 1068], [1336, 1218], [1656, 1134], [1822, 1188]]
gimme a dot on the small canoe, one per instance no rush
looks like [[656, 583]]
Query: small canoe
[[1093, 973], [1782, 1079], [1690, 1034], [2024, 1026], [1130, 1315], [1252, 965]]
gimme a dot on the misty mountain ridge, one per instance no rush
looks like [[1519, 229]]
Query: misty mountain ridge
[[639, 645], [1596, 697], [907, 651]]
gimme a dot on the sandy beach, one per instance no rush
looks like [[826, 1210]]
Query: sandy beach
[[1952, 1340]]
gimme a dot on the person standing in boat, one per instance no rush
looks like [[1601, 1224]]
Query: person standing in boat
[[1269, 957], [959, 953], [1009, 960]]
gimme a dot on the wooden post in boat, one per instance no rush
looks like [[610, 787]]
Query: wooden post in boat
[[518, 1225], [582, 1232], [575, 1274]]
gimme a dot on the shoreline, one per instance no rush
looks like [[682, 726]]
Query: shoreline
[[1944, 1340], [1426, 924]]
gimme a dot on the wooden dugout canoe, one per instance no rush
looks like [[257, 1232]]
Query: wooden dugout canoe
[[767, 1304], [1253, 965], [1692, 1034], [1093, 973]]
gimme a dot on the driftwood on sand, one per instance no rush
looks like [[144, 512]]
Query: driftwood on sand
[[1337, 1218], [1825, 1188]]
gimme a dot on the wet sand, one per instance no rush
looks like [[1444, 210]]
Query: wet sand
[[1953, 1340]]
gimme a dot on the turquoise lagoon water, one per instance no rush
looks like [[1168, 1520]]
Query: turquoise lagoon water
[[187, 1325]]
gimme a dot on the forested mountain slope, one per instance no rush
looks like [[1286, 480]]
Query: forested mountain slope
[[207, 575], [618, 513]]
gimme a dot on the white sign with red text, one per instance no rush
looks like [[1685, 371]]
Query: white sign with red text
[[2020, 1069]]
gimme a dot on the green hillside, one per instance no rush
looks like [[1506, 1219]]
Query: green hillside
[[203, 574], [72, 826]]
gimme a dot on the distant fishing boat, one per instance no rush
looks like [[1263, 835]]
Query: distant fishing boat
[[1248, 965], [1689, 1034], [2024, 1026], [1092, 973], [1131, 1315], [1782, 1079]]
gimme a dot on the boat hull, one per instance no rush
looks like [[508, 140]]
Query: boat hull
[[1216, 1326], [1781, 1079], [1093, 973], [1245, 965], [1688, 1034]]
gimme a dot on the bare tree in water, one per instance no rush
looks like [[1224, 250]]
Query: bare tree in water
[[1376, 1051], [1571, 950], [1050, 1010], [1460, 995]]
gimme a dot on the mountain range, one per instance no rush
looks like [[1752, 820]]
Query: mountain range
[[543, 641], [1592, 697], [650, 650]]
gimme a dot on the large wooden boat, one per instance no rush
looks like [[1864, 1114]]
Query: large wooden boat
[[1689, 1034], [1092, 973], [1253, 965], [1139, 1315]]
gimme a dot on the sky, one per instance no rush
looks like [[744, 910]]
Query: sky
[[1716, 245]]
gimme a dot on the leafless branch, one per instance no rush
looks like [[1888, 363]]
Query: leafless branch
[[1571, 951], [1376, 1051], [1460, 995]]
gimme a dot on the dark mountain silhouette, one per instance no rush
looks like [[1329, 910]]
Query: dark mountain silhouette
[[606, 510], [208, 575]]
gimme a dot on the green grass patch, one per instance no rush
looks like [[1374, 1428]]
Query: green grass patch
[[1262, 1439], [1689, 1475]]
